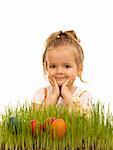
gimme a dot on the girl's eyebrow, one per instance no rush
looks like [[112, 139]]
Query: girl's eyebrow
[[51, 64]]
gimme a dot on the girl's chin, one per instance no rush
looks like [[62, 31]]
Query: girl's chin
[[60, 83]]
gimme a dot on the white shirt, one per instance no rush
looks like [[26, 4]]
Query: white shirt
[[84, 98]]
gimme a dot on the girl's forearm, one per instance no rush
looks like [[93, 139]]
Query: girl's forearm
[[51, 100], [68, 99]]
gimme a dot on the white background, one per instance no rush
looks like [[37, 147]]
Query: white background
[[25, 25]]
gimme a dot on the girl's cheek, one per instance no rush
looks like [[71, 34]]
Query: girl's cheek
[[50, 73]]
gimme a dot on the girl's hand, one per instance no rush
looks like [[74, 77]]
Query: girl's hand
[[55, 91], [66, 90], [55, 87], [67, 87]]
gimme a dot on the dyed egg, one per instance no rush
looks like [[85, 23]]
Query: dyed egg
[[13, 121], [33, 126], [58, 129], [15, 124]]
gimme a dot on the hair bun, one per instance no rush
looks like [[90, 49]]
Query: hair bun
[[72, 32]]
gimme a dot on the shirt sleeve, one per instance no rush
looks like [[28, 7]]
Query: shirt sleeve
[[82, 101], [38, 96], [86, 101]]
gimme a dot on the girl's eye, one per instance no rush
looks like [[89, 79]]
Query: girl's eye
[[52, 66], [67, 66]]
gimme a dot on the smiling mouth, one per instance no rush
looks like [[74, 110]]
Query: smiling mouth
[[62, 78]]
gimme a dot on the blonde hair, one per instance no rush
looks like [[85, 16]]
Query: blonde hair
[[62, 38]]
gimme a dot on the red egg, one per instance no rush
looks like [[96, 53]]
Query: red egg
[[33, 126], [58, 129]]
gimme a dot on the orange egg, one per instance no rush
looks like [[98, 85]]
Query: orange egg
[[58, 129]]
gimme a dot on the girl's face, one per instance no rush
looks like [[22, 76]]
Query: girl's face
[[61, 63]]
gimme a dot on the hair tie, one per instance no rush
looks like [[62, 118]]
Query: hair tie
[[59, 34]]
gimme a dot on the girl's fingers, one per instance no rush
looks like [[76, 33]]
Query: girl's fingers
[[52, 81], [68, 82]]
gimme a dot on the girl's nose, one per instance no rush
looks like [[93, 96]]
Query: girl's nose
[[59, 70]]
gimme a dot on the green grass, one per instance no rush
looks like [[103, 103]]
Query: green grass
[[83, 133]]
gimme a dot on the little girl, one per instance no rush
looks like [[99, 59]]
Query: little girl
[[62, 63]]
